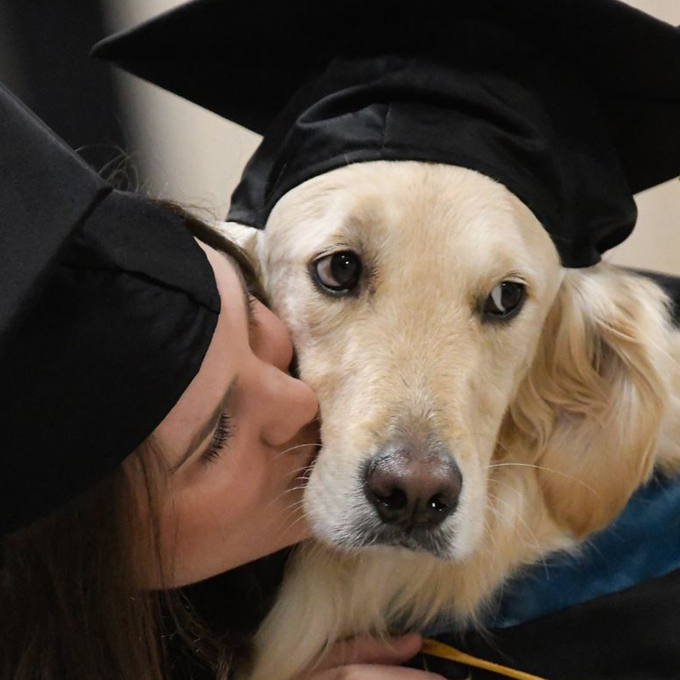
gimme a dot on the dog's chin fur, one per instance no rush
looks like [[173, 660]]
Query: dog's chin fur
[[554, 418]]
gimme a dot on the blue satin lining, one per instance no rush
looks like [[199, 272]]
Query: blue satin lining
[[643, 543]]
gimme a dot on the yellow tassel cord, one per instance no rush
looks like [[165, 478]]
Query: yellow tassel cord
[[439, 649]]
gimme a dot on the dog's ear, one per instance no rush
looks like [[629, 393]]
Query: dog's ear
[[591, 407], [247, 238]]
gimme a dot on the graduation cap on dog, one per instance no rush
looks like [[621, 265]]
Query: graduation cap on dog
[[107, 308], [573, 105]]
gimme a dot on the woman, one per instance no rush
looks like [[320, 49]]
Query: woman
[[151, 435]]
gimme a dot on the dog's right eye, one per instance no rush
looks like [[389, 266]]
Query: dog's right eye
[[504, 302], [338, 273]]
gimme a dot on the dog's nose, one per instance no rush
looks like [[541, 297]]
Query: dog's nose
[[413, 491]]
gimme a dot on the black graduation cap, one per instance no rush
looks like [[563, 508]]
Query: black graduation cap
[[574, 105], [107, 307]]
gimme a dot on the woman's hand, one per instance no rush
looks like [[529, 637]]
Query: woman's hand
[[364, 658]]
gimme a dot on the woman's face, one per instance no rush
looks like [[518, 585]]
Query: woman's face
[[237, 444]]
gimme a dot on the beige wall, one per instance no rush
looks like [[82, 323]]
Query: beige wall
[[192, 155], [196, 157]]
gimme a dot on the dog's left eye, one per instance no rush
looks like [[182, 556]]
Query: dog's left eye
[[504, 301], [338, 273]]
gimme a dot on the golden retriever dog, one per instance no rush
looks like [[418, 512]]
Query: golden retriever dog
[[481, 405]]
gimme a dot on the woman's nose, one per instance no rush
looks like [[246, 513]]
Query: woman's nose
[[287, 404], [287, 407]]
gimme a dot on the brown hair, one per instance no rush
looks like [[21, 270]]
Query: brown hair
[[71, 607]]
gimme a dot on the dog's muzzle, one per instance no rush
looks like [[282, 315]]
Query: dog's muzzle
[[413, 490]]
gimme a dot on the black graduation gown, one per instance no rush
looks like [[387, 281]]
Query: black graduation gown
[[631, 635]]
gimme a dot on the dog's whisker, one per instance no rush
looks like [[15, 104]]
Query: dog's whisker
[[546, 469], [534, 541], [294, 448], [289, 512], [296, 521], [281, 495], [293, 489], [292, 515]]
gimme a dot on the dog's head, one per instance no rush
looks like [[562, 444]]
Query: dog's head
[[427, 305]]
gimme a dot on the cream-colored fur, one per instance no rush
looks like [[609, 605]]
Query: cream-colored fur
[[554, 419]]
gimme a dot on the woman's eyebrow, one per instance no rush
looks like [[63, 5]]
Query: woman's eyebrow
[[208, 427]]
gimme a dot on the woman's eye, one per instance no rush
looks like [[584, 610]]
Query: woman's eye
[[504, 301], [223, 433], [338, 273]]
